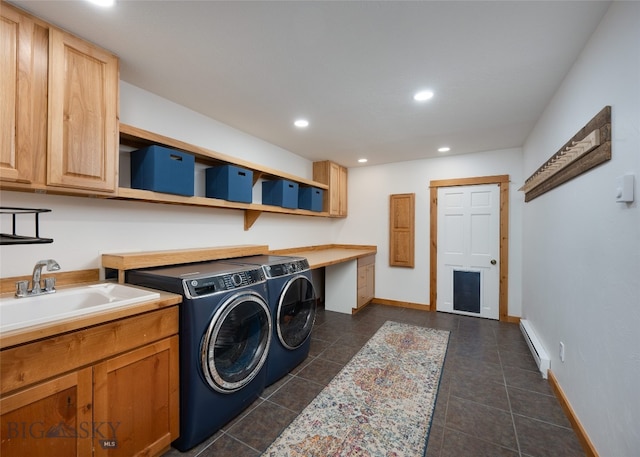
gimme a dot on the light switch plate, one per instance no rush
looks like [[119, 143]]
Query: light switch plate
[[624, 188]]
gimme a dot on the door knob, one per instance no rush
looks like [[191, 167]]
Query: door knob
[[493, 261]]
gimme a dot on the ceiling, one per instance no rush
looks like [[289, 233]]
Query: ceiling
[[349, 67]]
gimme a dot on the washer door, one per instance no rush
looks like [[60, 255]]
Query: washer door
[[236, 344], [296, 312]]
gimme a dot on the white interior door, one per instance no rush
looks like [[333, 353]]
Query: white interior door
[[468, 250]]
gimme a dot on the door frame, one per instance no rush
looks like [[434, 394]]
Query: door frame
[[503, 183]]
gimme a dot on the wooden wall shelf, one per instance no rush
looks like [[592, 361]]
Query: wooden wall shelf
[[138, 138], [252, 210]]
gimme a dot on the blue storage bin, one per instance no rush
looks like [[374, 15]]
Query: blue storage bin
[[280, 192], [162, 170], [229, 183], [310, 198]]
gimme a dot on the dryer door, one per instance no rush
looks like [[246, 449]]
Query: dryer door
[[236, 344], [296, 312]]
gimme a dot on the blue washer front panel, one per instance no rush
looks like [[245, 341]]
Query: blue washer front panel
[[223, 304]]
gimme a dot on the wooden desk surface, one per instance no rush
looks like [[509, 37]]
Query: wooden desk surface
[[322, 256]]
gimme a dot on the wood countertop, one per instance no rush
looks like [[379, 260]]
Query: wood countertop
[[325, 255], [318, 257], [134, 260], [45, 330]]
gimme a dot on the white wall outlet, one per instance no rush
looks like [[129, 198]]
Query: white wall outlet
[[624, 188], [561, 351]]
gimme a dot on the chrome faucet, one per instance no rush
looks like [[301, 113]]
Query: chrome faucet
[[36, 288]]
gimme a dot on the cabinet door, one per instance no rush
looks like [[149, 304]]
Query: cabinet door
[[338, 190], [335, 176], [371, 282], [335, 190], [83, 115], [366, 280], [53, 418], [24, 50], [402, 230], [137, 393]]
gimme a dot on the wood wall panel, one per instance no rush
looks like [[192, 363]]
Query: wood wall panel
[[402, 230]]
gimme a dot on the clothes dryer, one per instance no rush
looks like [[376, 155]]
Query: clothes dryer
[[292, 300], [225, 334]]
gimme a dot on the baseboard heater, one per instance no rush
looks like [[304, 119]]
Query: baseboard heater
[[539, 353]]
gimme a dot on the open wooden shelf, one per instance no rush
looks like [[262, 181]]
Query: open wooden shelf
[[132, 260], [139, 138]]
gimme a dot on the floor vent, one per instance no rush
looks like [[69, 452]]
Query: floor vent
[[539, 353]]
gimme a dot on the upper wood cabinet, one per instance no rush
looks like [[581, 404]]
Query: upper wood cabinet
[[402, 230], [59, 114], [24, 55], [83, 114], [335, 176]]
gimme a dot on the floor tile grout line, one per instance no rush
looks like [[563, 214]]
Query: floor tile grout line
[[446, 407], [482, 404], [481, 439], [524, 389], [544, 421], [307, 380], [513, 421], [282, 406], [243, 443]]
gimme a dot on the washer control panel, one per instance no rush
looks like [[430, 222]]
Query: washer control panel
[[198, 287]]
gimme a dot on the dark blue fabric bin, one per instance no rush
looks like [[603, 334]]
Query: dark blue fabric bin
[[162, 170], [280, 192], [310, 198], [229, 183]]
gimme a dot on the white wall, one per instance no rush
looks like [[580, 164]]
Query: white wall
[[582, 249], [83, 228], [368, 221], [148, 111]]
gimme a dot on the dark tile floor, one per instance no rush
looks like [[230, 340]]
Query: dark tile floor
[[492, 400]]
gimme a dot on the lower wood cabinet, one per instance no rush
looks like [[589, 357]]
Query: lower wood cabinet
[[136, 399], [366, 279], [123, 405], [51, 418]]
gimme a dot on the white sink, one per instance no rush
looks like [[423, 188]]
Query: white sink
[[17, 313]]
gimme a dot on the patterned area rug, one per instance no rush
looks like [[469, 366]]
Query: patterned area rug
[[379, 405]]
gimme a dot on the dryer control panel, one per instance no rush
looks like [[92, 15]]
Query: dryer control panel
[[286, 268]]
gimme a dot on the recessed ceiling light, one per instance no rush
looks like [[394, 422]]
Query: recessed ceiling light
[[104, 3], [423, 95], [301, 123], [444, 149], [362, 160]]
